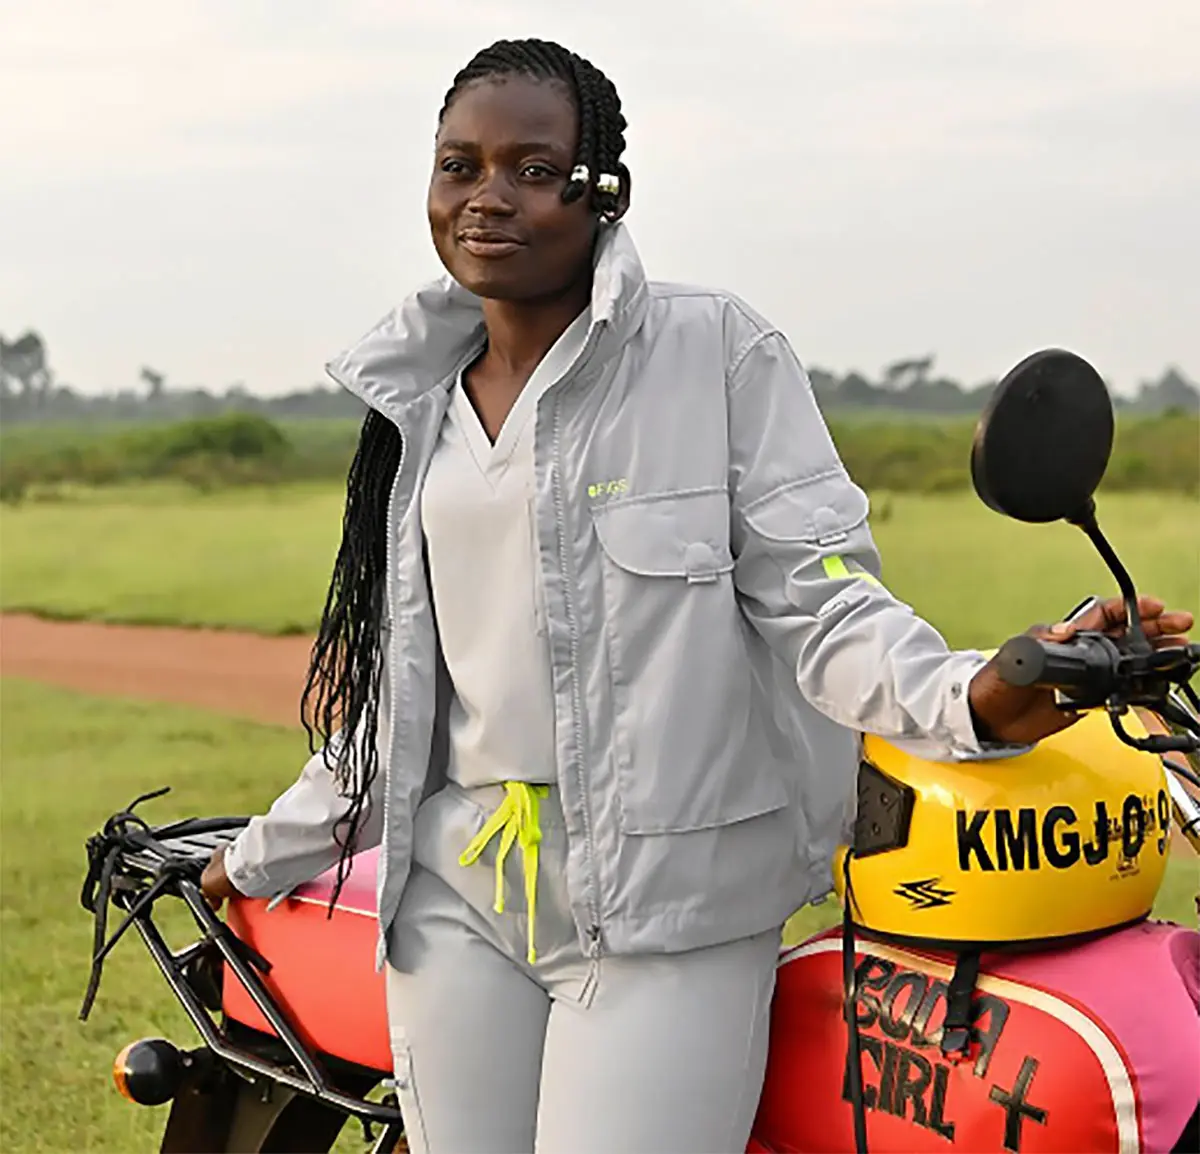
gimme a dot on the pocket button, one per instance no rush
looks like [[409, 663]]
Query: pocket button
[[700, 562]]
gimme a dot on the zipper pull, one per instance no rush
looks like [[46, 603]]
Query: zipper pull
[[592, 981]]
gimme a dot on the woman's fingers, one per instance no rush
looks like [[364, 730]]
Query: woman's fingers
[[1111, 613], [1109, 617], [1176, 622]]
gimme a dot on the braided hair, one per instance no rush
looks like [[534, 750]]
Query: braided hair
[[342, 689]]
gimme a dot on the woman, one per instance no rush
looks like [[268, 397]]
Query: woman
[[604, 590]]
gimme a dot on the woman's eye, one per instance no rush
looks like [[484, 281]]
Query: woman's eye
[[452, 166], [537, 172]]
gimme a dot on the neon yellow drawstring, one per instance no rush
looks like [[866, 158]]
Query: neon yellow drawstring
[[515, 819]]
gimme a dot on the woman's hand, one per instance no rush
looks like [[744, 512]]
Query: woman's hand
[[214, 881], [1023, 715]]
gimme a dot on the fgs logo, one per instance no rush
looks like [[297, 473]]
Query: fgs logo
[[609, 488], [924, 895]]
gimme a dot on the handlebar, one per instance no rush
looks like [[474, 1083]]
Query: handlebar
[[1085, 667], [1093, 668]]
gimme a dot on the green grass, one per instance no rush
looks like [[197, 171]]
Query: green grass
[[980, 577], [259, 558], [69, 761], [253, 558]]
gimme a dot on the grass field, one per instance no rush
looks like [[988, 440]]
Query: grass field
[[259, 558], [69, 761], [253, 558]]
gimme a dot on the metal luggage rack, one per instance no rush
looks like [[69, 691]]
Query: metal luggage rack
[[132, 865]]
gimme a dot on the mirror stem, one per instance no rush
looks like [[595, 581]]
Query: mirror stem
[[1086, 520]]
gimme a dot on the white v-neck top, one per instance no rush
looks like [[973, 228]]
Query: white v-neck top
[[477, 516]]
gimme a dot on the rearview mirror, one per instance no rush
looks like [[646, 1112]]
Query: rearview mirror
[[1044, 439]]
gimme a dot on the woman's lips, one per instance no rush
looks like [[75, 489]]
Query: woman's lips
[[490, 246]]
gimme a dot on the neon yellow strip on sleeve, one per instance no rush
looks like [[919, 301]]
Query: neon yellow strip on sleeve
[[835, 568]]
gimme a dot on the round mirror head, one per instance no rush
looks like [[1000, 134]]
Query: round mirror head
[[1044, 439]]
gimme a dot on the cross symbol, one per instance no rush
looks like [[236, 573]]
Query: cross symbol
[[1016, 1108]]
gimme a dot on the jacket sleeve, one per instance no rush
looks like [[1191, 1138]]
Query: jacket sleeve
[[808, 574], [295, 841]]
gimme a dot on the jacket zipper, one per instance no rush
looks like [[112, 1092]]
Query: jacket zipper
[[389, 554], [594, 942]]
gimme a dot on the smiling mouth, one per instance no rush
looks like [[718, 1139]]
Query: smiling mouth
[[491, 245]]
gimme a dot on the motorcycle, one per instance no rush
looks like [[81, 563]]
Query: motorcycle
[[996, 983]]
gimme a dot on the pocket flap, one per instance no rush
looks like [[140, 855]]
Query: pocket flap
[[821, 511], [677, 535]]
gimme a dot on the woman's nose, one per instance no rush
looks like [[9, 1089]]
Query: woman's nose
[[493, 196]]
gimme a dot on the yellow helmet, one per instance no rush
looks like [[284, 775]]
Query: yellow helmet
[[1068, 839]]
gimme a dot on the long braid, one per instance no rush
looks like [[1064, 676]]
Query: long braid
[[342, 691]]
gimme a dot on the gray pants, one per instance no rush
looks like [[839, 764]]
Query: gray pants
[[654, 1053]]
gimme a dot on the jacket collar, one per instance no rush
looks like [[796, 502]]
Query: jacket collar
[[421, 345]]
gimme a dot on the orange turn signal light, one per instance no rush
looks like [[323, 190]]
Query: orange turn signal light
[[148, 1071]]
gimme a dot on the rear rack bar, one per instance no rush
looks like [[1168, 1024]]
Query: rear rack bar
[[138, 869], [311, 1081]]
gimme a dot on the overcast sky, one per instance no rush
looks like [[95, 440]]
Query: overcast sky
[[233, 190]]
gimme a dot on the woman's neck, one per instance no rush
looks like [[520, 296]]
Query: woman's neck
[[521, 333]]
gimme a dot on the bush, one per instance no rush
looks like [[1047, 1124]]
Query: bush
[[206, 453], [231, 436], [1150, 454], [929, 455]]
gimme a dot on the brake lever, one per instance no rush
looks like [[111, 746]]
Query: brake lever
[[1084, 607]]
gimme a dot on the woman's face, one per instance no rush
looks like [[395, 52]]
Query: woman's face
[[505, 151]]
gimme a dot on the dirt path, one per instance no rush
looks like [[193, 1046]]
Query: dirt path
[[242, 674]]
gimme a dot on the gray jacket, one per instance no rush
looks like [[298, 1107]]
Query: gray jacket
[[716, 628]]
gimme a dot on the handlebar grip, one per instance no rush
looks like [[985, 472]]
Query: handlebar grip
[[1020, 661], [1079, 665]]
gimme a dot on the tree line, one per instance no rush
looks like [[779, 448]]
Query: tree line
[[29, 392]]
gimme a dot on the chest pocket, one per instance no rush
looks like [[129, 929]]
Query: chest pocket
[[681, 685], [684, 535]]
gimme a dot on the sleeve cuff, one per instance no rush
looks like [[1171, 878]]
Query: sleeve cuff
[[242, 876], [964, 743], [251, 881]]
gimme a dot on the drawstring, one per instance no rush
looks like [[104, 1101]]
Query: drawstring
[[515, 819]]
